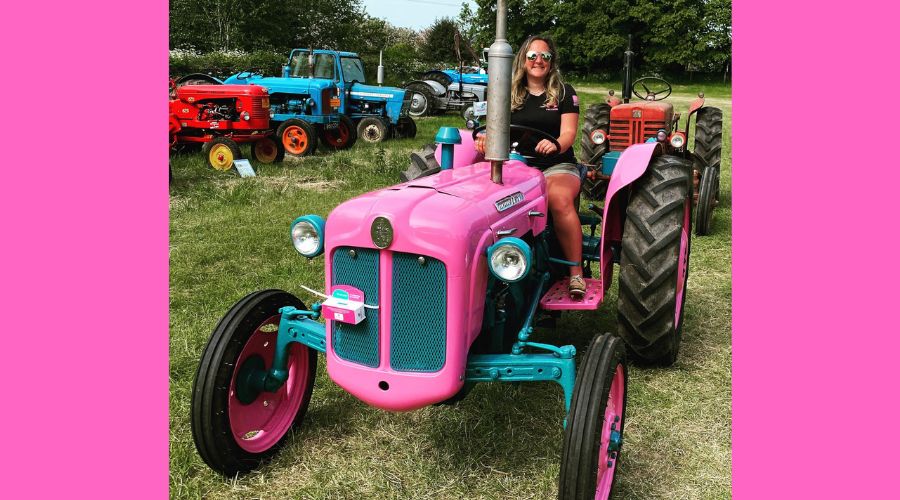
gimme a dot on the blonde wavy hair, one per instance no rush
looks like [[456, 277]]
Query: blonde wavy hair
[[554, 83]]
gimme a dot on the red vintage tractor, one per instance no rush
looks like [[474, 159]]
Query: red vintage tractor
[[219, 118], [611, 127]]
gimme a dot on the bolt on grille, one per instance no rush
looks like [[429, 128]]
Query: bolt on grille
[[418, 314]]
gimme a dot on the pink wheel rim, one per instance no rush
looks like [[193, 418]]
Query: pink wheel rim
[[259, 425], [613, 418], [682, 262]]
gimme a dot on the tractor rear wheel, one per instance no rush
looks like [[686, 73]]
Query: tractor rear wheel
[[593, 435], [342, 137], [267, 150], [597, 118], [422, 100], [405, 128], [220, 153], [706, 200], [656, 245], [297, 137], [438, 76], [708, 139], [235, 426], [372, 129]]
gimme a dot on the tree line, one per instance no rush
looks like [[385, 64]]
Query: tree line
[[671, 37]]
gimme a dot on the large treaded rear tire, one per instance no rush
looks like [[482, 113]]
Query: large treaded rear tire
[[706, 201], [423, 100], [597, 117], [655, 255], [708, 139]]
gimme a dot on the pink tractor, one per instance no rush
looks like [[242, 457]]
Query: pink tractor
[[420, 306]]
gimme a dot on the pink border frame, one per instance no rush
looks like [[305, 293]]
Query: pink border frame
[[77, 225]]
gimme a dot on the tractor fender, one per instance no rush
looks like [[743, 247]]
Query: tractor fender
[[631, 166], [436, 87]]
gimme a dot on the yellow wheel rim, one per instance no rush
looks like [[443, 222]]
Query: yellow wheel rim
[[265, 150], [221, 157], [295, 140]]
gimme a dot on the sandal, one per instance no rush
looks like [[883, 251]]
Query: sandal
[[577, 287]]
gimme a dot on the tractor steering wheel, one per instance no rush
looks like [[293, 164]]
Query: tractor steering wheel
[[520, 133], [652, 95]]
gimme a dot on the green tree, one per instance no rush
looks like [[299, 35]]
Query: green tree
[[438, 46]]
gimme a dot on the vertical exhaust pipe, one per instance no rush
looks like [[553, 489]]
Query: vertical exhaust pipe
[[500, 59], [380, 69]]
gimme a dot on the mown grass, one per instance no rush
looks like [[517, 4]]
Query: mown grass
[[229, 236]]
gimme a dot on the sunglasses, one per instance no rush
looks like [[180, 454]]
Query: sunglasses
[[532, 55]]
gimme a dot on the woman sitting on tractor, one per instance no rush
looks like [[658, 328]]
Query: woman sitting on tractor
[[542, 101]]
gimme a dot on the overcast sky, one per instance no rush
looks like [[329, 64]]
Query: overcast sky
[[415, 14]]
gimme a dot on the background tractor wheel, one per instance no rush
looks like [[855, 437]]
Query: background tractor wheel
[[405, 128], [422, 100], [468, 113], [342, 137], [234, 426], [654, 264], [298, 138], [438, 76], [372, 129], [593, 435], [708, 139], [597, 117], [706, 200], [220, 153], [267, 150]]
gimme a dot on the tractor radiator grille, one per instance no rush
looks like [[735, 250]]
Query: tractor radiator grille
[[624, 133], [357, 343], [325, 102], [418, 314], [418, 326], [257, 110]]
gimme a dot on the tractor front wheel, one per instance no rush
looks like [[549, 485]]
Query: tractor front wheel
[[372, 129], [594, 426], [221, 152], [597, 118], [297, 137], [267, 150], [405, 128], [656, 245], [341, 137], [235, 427], [706, 200]]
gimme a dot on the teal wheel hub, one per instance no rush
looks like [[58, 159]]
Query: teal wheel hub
[[250, 378]]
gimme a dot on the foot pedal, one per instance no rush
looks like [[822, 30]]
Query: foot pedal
[[557, 298]]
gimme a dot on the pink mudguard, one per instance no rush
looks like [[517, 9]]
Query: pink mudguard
[[631, 165], [451, 216]]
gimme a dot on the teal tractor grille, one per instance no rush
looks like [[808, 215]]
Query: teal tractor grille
[[418, 310], [357, 343], [418, 314]]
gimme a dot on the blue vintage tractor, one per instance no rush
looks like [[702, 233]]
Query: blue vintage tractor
[[317, 83]]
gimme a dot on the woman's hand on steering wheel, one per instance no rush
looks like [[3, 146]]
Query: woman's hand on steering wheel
[[546, 148], [547, 144]]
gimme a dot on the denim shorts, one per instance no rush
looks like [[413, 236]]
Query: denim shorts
[[563, 168]]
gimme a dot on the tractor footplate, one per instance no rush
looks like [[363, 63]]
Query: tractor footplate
[[557, 298]]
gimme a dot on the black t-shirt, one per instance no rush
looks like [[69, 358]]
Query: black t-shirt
[[535, 115]]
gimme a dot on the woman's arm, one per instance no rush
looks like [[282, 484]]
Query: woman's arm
[[568, 127]]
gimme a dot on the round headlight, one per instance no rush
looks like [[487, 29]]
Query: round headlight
[[245, 115], [510, 259], [661, 136], [598, 137], [677, 140], [307, 235]]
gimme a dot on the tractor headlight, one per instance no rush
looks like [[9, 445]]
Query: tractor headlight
[[598, 137], [308, 235], [510, 259], [246, 116], [677, 140], [661, 136]]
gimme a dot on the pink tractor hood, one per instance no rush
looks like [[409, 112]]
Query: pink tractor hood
[[452, 216]]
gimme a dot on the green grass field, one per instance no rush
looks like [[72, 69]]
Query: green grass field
[[229, 236]]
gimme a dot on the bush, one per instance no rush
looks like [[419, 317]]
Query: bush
[[223, 64]]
